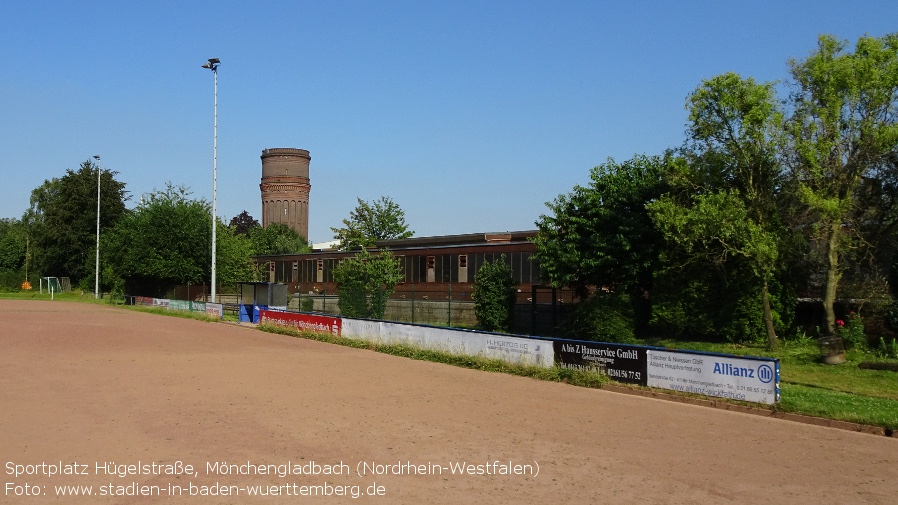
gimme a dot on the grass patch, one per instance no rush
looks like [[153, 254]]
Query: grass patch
[[77, 296], [68, 296], [183, 314], [813, 401], [841, 392], [554, 374]]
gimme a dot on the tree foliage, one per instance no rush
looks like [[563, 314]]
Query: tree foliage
[[164, 242], [13, 250], [712, 238], [767, 196], [842, 133], [63, 220], [277, 238], [365, 282], [232, 256], [369, 222], [243, 223], [13, 237], [601, 236], [494, 295], [721, 211]]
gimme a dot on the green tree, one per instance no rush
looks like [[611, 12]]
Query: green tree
[[366, 282], [13, 236], [63, 220], [163, 242], [601, 236], [709, 231], [723, 200], [277, 238], [494, 295], [842, 132], [13, 249], [233, 252], [369, 222]]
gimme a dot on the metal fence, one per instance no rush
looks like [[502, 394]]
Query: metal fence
[[449, 305]]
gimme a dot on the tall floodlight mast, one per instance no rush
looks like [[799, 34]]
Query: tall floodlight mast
[[97, 266], [212, 65]]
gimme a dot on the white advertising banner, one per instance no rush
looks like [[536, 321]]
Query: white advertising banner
[[751, 380], [461, 342], [215, 309], [442, 339], [519, 350], [361, 329]]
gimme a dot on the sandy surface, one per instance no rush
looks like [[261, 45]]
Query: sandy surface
[[86, 385]]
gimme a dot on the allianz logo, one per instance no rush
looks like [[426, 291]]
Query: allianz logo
[[763, 373]]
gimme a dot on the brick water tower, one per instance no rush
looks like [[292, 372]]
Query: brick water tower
[[285, 188]]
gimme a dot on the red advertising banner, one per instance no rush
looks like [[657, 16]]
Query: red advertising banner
[[143, 300], [310, 322]]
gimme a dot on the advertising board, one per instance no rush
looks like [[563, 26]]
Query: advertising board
[[746, 379], [623, 363], [518, 350], [179, 305], [311, 322], [213, 309], [361, 328], [725, 376], [143, 300], [527, 351]]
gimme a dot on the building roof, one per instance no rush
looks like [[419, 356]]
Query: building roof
[[416, 243], [458, 240]]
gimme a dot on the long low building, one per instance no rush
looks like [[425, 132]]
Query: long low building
[[438, 278], [428, 263]]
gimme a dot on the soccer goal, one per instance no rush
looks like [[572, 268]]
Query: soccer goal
[[51, 284]]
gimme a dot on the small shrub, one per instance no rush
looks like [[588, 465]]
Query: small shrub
[[888, 349], [801, 339], [605, 317], [494, 295], [852, 331], [365, 282], [306, 304]]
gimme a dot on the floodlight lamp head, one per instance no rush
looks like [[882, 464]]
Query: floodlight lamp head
[[97, 157], [212, 64]]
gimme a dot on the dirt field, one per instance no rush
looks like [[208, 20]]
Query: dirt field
[[112, 392]]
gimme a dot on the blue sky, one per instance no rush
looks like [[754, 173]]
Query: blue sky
[[469, 115]]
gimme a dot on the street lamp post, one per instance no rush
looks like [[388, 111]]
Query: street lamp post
[[212, 65], [97, 265]]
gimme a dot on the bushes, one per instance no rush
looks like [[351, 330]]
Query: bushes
[[366, 282], [494, 295], [11, 280], [851, 329], [699, 303], [604, 317]]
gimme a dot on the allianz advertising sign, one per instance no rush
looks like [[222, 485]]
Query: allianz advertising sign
[[722, 376]]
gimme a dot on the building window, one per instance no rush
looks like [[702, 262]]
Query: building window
[[431, 269]]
